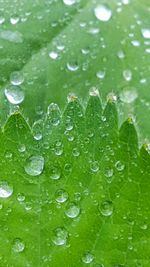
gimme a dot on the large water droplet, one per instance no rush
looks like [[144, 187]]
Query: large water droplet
[[129, 95], [72, 66], [61, 196], [14, 94], [6, 190], [34, 165], [88, 257], [146, 33], [16, 78], [18, 245], [60, 236], [106, 208], [72, 210], [103, 13]]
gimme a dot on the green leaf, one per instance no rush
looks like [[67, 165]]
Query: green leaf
[[111, 54], [77, 196]]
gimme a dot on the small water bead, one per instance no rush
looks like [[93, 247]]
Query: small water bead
[[2, 20], [108, 172], [55, 172], [94, 91], [34, 165], [14, 20], [18, 245], [88, 257], [14, 94], [135, 43], [76, 152], [53, 55], [106, 208], [61, 196], [103, 13], [121, 54], [127, 74], [68, 168], [60, 236], [100, 74], [71, 97], [69, 2], [119, 166], [16, 78], [129, 95], [94, 166], [20, 197], [146, 33], [22, 148], [72, 211], [72, 66], [6, 189], [37, 130], [53, 114]]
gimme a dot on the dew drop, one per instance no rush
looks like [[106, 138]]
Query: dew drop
[[53, 55], [146, 33], [103, 13], [14, 20], [15, 37], [60, 236], [119, 166], [94, 91], [53, 114], [16, 78], [2, 20], [6, 190], [94, 166], [73, 66], [18, 245], [14, 94], [37, 130], [106, 208], [88, 257], [129, 95], [72, 210], [20, 197], [61, 196], [69, 2], [100, 74], [127, 74], [55, 173], [34, 165], [121, 54]]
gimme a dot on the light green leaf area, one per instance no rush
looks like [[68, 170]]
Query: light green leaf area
[[76, 194], [68, 45]]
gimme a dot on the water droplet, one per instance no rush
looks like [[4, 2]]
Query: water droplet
[[16, 78], [6, 190], [53, 114], [53, 55], [37, 130], [18, 245], [20, 197], [34, 165], [14, 20], [88, 257], [73, 66], [14, 94], [71, 97], [94, 166], [146, 33], [127, 74], [121, 54], [128, 95], [72, 210], [135, 43], [61, 196], [2, 20], [108, 174], [103, 13], [60, 236], [22, 148], [69, 2], [76, 152], [106, 208], [100, 74], [119, 166], [55, 173], [94, 91]]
